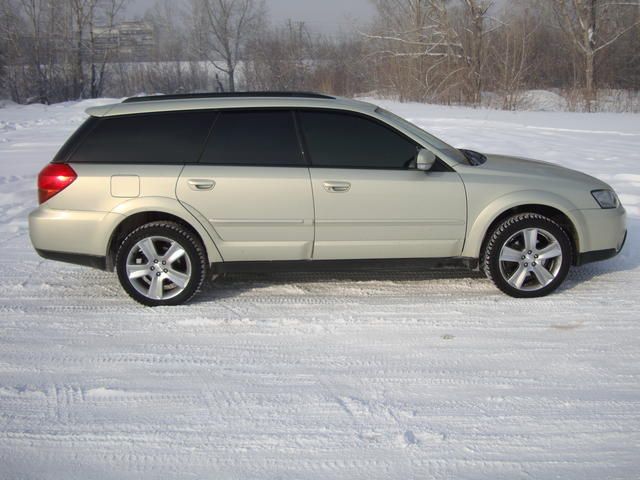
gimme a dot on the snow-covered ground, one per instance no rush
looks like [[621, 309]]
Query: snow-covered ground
[[396, 374]]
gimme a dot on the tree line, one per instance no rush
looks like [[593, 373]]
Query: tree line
[[470, 52]]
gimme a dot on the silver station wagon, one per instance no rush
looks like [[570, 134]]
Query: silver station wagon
[[170, 190]]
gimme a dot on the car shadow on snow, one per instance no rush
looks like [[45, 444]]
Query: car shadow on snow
[[234, 284]]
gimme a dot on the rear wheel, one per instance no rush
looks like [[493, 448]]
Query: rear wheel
[[161, 263], [528, 255]]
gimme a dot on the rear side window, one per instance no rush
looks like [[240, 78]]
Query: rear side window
[[343, 140], [255, 137], [157, 138]]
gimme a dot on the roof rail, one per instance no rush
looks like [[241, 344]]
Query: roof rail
[[187, 96]]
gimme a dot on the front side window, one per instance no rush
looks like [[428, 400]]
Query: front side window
[[344, 140], [453, 153], [157, 138], [254, 137]]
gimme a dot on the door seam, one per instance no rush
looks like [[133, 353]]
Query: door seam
[[305, 156], [313, 220]]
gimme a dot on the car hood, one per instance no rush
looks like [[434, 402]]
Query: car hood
[[524, 167]]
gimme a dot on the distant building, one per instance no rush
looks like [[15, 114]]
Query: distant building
[[127, 41]]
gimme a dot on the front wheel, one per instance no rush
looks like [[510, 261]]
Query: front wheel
[[161, 263], [528, 255]]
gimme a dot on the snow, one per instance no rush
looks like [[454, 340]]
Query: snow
[[383, 374], [557, 100], [542, 100]]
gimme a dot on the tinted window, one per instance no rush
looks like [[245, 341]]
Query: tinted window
[[253, 138], [149, 138], [73, 141], [343, 140]]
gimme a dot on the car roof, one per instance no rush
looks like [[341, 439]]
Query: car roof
[[173, 103]]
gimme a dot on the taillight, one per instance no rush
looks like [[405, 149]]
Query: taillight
[[54, 178]]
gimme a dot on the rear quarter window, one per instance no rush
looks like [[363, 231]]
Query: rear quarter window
[[74, 140], [157, 138]]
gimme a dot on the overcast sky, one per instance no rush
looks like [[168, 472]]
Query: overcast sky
[[326, 16]]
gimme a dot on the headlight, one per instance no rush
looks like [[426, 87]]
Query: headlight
[[606, 198]]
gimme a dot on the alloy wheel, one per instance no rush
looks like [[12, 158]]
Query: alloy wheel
[[158, 267], [530, 259]]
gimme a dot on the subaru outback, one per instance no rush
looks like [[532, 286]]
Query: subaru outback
[[169, 190]]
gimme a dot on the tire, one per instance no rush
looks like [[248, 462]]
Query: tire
[[524, 264], [175, 271]]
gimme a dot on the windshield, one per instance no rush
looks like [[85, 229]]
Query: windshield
[[445, 148]]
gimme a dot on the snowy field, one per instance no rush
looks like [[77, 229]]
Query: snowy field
[[381, 375]]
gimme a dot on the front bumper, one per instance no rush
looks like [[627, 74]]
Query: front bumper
[[598, 255], [602, 234]]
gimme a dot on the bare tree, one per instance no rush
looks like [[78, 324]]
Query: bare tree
[[81, 13], [106, 15], [279, 58], [173, 68], [41, 21], [590, 27], [86, 15], [509, 56], [476, 13], [227, 25], [340, 68], [7, 38], [417, 46], [444, 51], [170, 48]]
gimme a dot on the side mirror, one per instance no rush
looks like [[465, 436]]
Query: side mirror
[[426, 159]]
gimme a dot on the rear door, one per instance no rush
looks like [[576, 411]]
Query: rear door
[[253, 187]]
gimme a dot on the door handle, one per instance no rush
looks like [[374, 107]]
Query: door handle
[[336, 187], [200, 185]]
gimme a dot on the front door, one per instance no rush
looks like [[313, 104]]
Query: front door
[[370, 201]]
